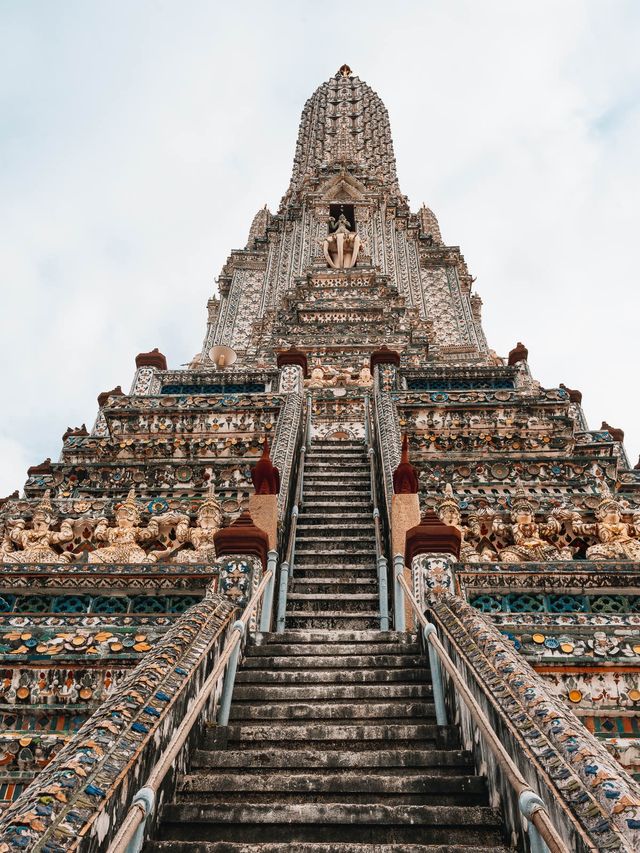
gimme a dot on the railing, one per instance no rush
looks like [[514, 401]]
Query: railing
[[387, 493], [381, 560], [287, 565], [542, 834], [130, 835]]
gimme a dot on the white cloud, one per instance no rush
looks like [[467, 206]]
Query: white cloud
[[138, 140]]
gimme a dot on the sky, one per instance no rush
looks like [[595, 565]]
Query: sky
[[138, 139]]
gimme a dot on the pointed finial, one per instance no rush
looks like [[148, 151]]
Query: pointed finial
[[265, 477], [45, 505], [344, 71]]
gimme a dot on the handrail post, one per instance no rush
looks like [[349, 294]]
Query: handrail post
[[372, 476], [282, 596], [307, 439], [398, 593], [530, 803], [294, 531], [303, 456], [367, 432], [230, 677], [267, 601], [436, 676], [383, 593]]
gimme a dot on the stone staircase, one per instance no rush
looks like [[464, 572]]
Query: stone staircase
[[335, 584], [332, 743]]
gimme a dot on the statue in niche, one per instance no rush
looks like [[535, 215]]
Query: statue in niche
[[529, 538], [316, 380], [448, 510], [617, 540], [36, 543], [341, 245], [365, 379], [209, 521], [124, 537]]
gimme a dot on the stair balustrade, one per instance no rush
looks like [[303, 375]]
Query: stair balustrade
[[381, 559], [130, 835], [542, 834]]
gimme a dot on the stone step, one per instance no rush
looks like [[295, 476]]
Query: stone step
[[342, 570], [330, 620], [347, 475], [359, 732], [331, 602], [314, 495], [362, 526], [320, 451], [398, 638], [379, 785], [331, 605], [338, 443], [438, 761], [309, 847], [336, 465], [294, 649], [330, 661], [330, 459], [318, 712], [314, 487], [323, 507], [307, 556], [319, 692], [344, 537], [342, 586], [402, 675], [350, 516], [331, 822]]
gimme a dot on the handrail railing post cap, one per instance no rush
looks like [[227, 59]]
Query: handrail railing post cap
[[272, 555], [429, 629], [239, 626], [146, 798], [530, 803]]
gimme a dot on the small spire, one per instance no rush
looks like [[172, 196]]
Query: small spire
[[344, 70]]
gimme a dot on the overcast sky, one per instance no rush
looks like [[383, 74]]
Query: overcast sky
[[138, 139]]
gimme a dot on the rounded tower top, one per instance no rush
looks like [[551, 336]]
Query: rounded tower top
[[344, 123]]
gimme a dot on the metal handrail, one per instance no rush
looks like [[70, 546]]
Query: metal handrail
[[144, 800], [381, 560], [530, 803], [286, 567]]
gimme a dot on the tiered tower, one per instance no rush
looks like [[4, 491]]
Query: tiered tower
[[345, 318]]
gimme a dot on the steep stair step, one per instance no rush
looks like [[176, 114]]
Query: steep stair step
[[293, 649], [343, 785], [342, 586], [317, 712], [327, 507], [399, 640], [330, 675], [362, 621], [437, 761], [328, 557], [336, 822], [302, 692], [332, 661], [309, 847]]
